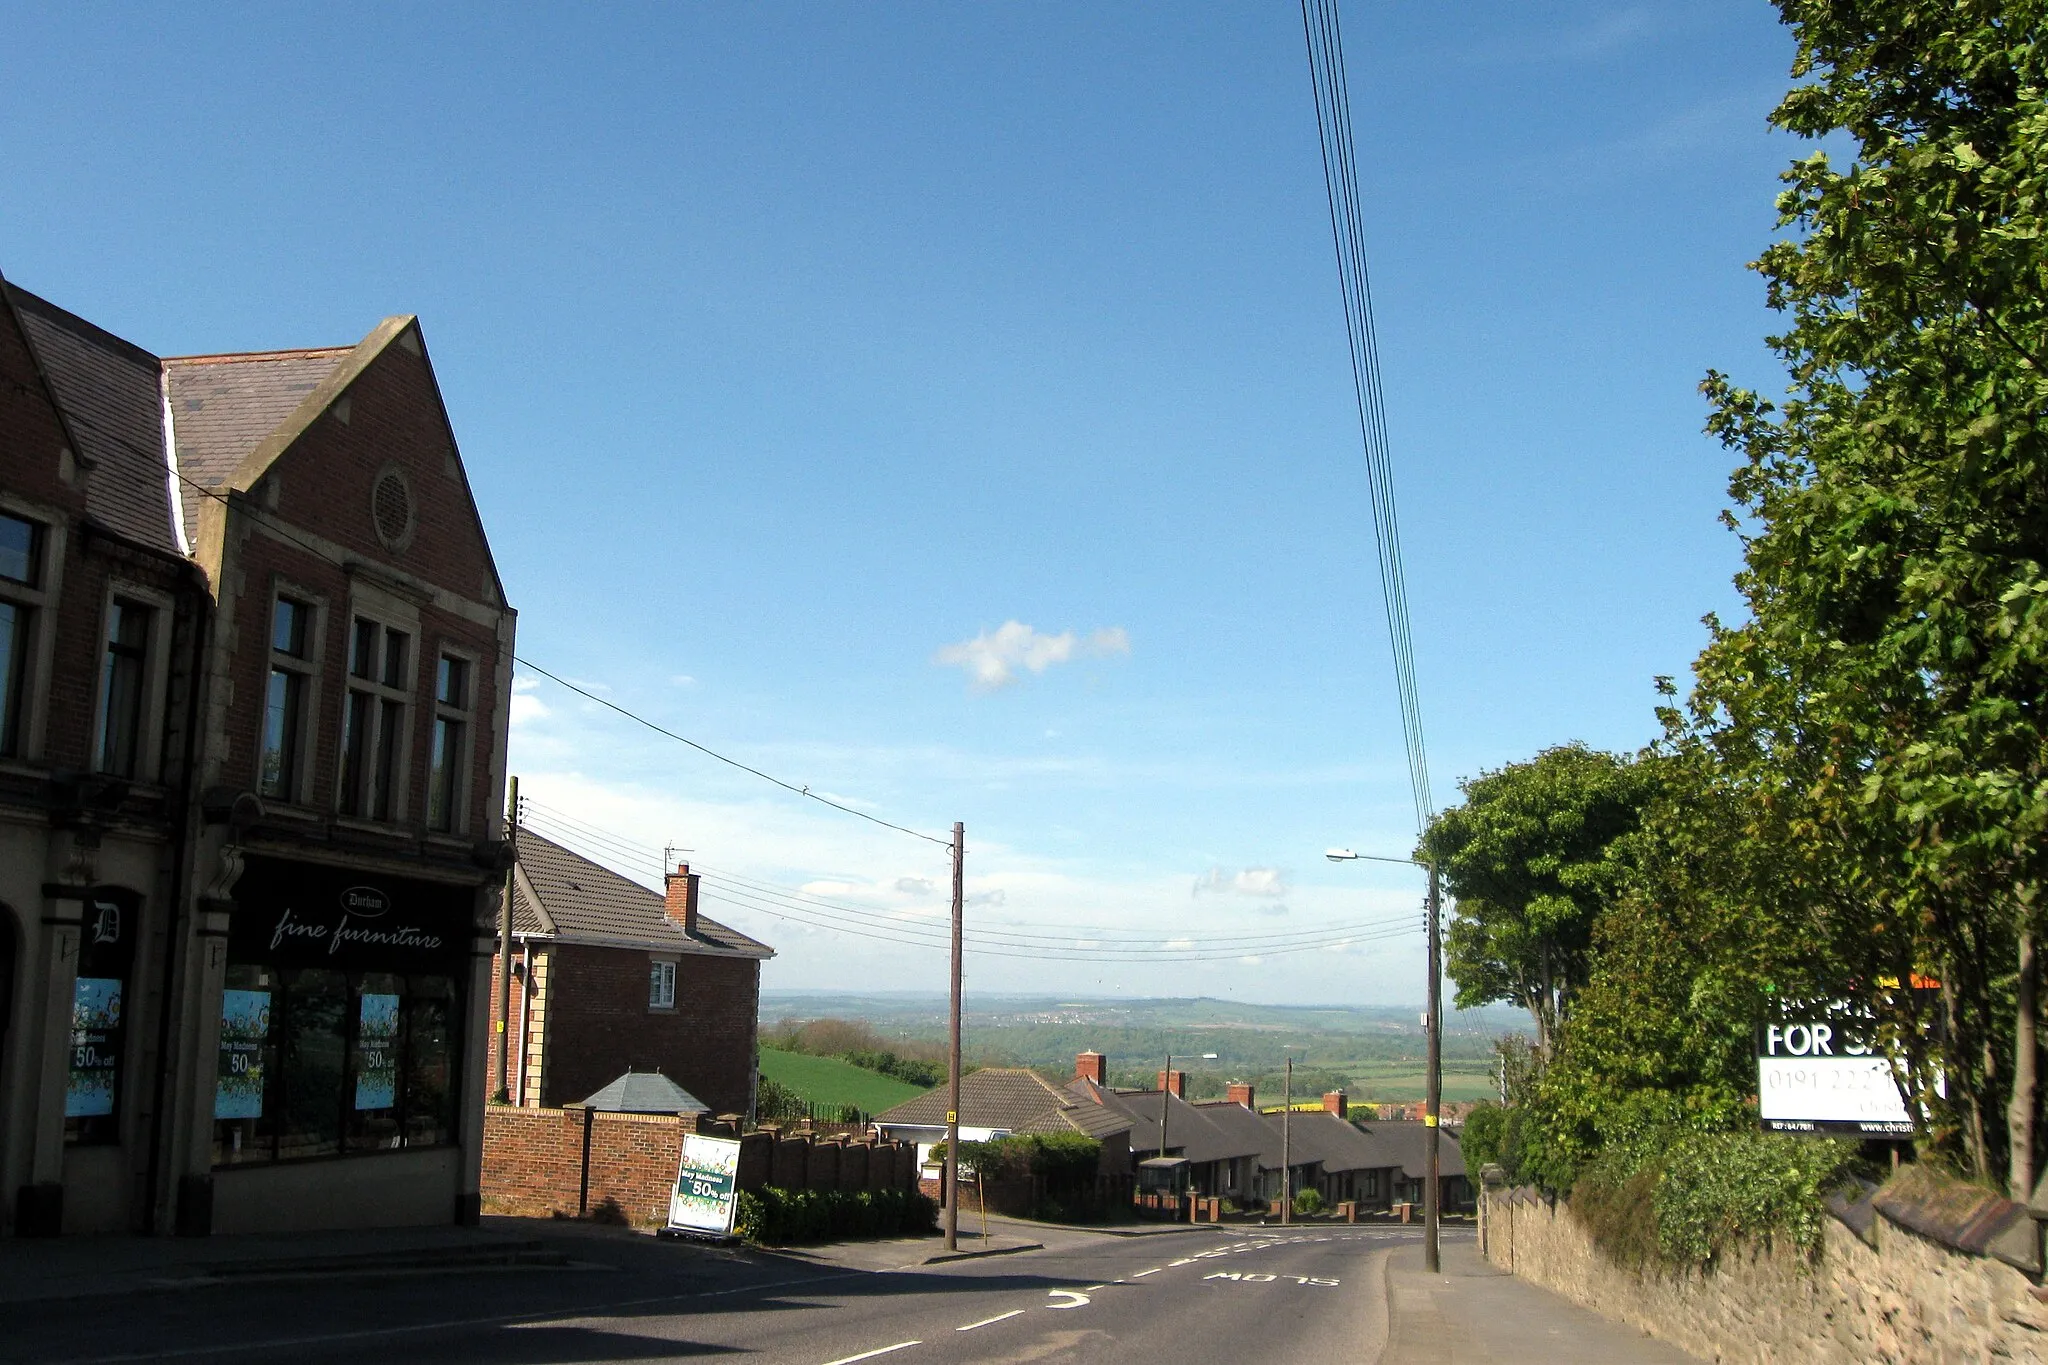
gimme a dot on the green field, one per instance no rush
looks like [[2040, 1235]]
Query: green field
[[829, 1081]]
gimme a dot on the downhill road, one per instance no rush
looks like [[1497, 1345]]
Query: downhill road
[[1212, 1296]]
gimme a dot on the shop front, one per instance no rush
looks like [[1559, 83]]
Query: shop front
[[338, 1090]]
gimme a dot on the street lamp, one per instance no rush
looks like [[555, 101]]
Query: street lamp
[[1433, 1022]]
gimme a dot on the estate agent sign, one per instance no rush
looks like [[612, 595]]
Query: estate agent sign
[[1817, 1073], [706, 1196]]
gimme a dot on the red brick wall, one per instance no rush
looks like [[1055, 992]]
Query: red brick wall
[[323, 487], [599, 1026], [533, 1162]]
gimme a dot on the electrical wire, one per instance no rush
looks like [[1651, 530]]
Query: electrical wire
[[643, 857], [286, 531], [1327, 78], [792, 906]]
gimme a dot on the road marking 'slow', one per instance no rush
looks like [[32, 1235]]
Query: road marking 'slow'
[[1143, 1273], [870, 1355], [1000, 1317]]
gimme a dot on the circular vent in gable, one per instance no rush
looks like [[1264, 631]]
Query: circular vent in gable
[[391, 511]]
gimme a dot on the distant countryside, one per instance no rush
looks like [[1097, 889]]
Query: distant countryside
[[814, 1045]]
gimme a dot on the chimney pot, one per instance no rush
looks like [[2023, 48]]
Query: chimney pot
[[1240, 1092], [1092, 1066], [1176, 1081], [1334, 1103], [681, 901]]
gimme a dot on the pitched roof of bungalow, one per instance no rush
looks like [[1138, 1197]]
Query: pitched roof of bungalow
[[1009, 1099], [1189, 1130], [563, 896]]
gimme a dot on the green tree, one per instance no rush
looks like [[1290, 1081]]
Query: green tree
[[1529, 858], [1881, 721]]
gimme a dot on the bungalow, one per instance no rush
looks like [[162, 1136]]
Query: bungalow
[[1004, 1101]]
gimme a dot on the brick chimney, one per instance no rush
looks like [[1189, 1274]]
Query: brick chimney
[[1240, 1092], [1333, 1103], [682, 898], [1092, 1066], [1176, 1081]]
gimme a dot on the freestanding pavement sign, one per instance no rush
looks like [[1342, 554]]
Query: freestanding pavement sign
[[707, 1196]]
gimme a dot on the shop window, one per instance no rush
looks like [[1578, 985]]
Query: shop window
[[99, 1016], [319, 1062], [21, 561], [661, 985]]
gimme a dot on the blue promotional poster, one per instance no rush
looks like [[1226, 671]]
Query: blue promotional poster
[[377, 1052], [244, 1028]]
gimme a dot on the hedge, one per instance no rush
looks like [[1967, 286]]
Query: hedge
[[780, 1217]]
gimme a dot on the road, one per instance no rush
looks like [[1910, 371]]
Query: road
[[1188, 1298]]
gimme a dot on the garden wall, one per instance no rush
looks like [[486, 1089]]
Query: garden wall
[[1886, 1293], [533, 1162]]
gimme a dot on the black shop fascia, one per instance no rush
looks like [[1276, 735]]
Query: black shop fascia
[[341, 1013]]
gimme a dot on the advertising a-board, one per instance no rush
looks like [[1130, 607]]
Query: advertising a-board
[[706, 1197]]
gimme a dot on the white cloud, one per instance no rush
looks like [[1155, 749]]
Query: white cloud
[[914, 886], [993, 659], [526, 707], [682, 680], [1268, 882]]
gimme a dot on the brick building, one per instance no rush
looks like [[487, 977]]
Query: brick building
[[252, 747], [609, 977]]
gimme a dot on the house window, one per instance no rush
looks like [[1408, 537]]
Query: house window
[[448, 759], [21, 564], [318, 1062], [373, 734], [122, 684], [284, 700], [661, 985]]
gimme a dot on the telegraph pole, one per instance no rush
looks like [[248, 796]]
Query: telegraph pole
[[1433, 1101], [953, 1053], [1287, 1146], [502, 1092]]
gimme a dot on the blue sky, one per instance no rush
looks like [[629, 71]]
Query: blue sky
[[795, 349]]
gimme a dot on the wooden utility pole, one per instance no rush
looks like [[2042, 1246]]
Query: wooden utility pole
[[953, 1051], [502, 1092], [1287, 1145], [1432, 1104]]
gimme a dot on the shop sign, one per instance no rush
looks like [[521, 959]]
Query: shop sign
[[706, 1197], [105, 948], [377, 1052], [244, 1028], [304, 915], [1819, 1073]]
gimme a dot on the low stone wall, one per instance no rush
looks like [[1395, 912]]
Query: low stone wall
[[533, 1162], [1898, 1297]]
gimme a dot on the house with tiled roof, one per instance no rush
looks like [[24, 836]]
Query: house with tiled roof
[[609, 977]]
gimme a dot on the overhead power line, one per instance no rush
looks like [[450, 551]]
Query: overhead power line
[[1347, 230], [868, 923], [729, 762]]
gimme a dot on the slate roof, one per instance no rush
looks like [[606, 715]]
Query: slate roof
[[222, 406], [563, 895], [1189, 1131], [1400, 1142], [642, 1092], [1014, 1099], [107, 391]]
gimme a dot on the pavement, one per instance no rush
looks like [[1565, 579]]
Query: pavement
[[530, 1291]]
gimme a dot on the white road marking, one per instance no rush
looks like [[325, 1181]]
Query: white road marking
[[1079, 1300], [1093, 1287], [1153, 1271], [1000, 1317], [870, 1355]]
